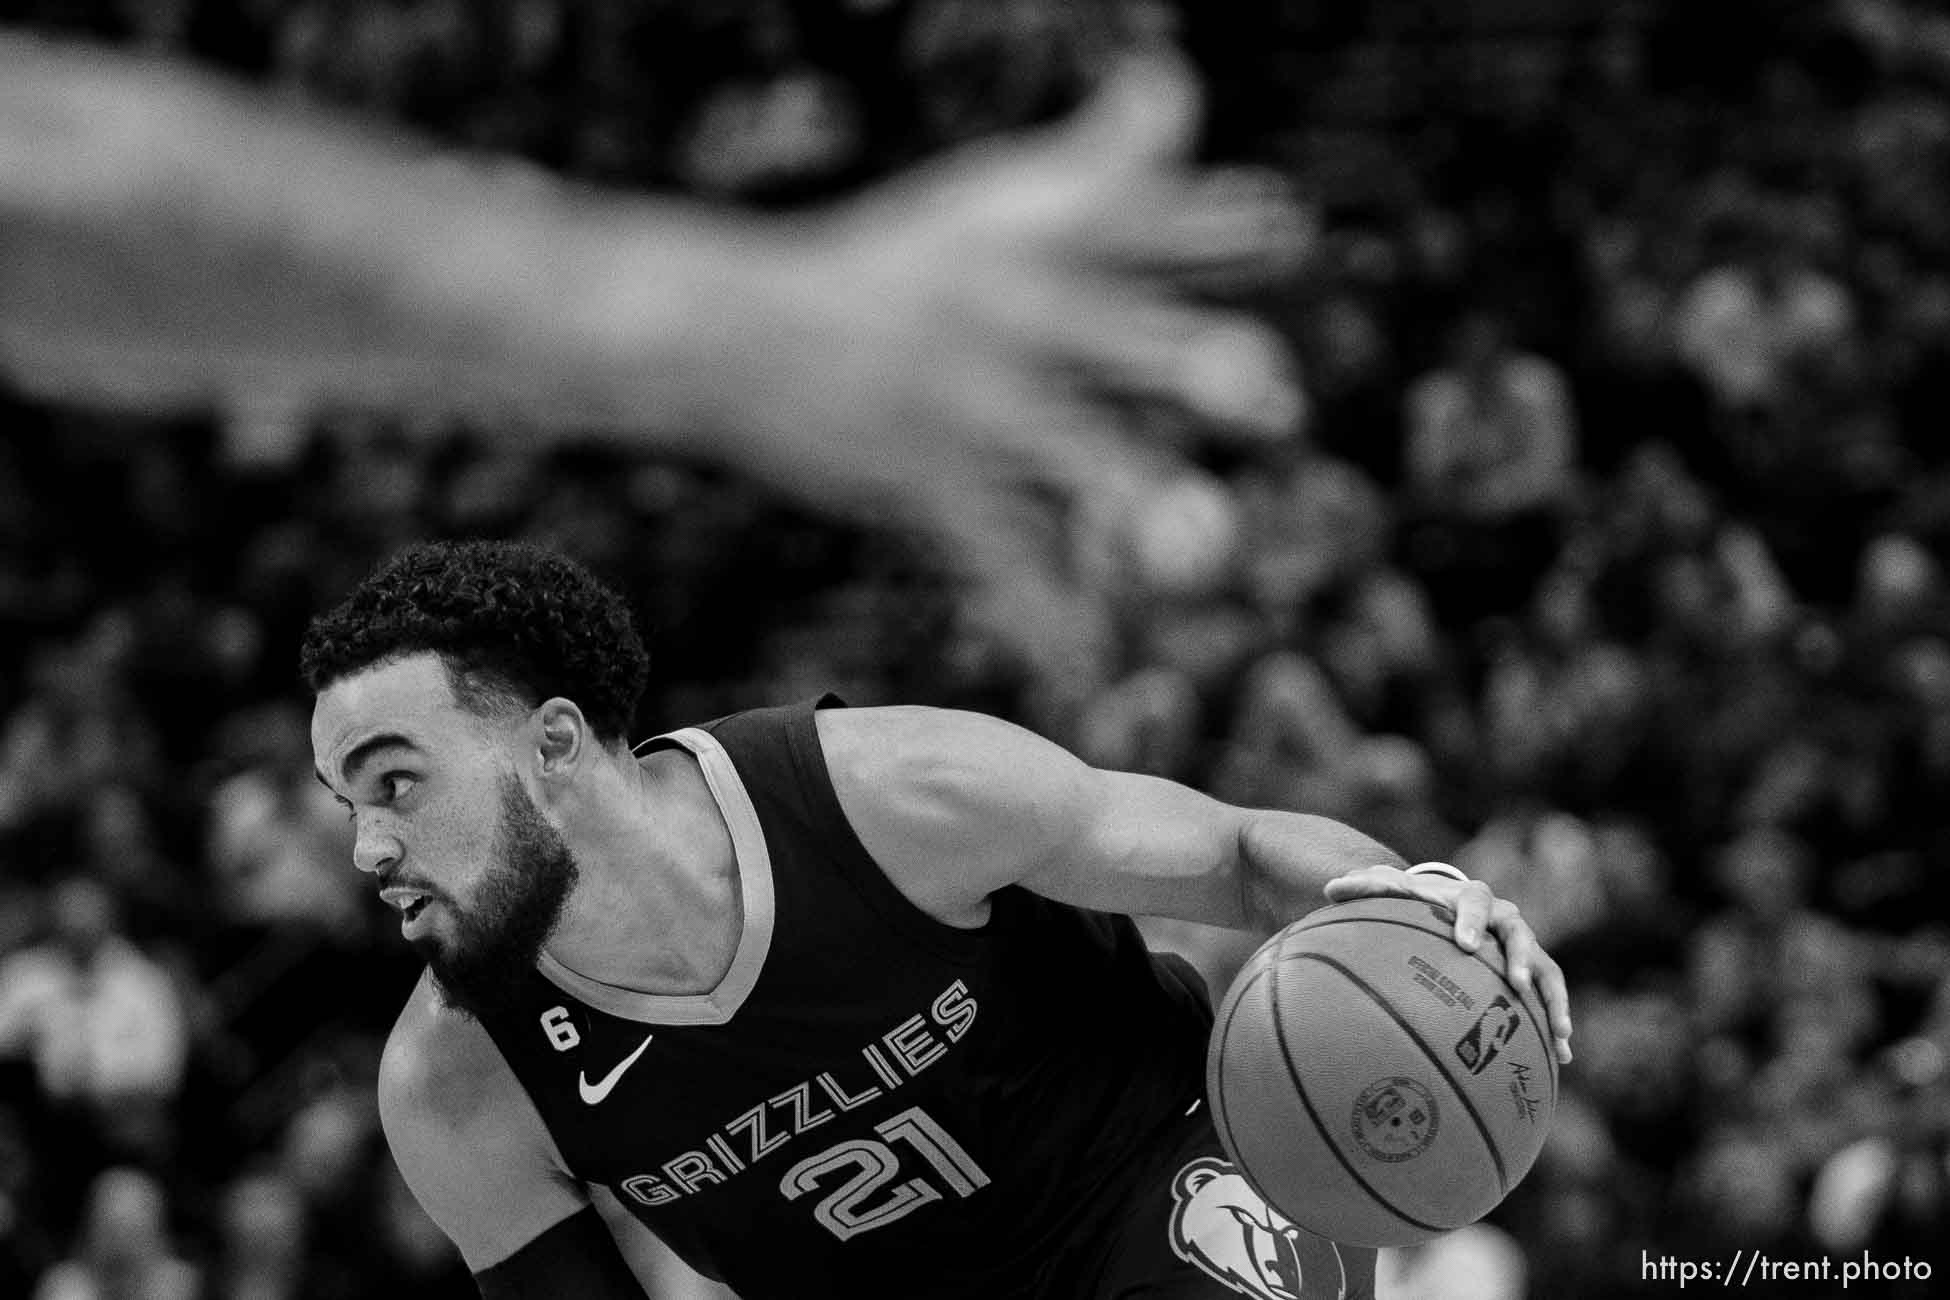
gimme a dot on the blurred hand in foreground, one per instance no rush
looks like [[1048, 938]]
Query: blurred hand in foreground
[[954, 350], [973, 337]]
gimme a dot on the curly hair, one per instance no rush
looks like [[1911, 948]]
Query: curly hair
[[513, 624]]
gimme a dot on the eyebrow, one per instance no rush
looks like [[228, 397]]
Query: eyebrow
[[363, 753]]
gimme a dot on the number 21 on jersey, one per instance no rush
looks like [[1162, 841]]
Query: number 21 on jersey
[[851, 1208]]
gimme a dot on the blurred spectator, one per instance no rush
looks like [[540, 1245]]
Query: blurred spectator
[[261, 1234], [1550, 862], [795, 126], [278, 845], [1290, 741], [326, 1157], [1889, 1192], [1310, 526], [985, 64], [125, 1250], [27, 1248], [1741, 1187], [1398, 799], [1564, 708], [1491, 458], [417, 1253], [1479, 1262], [1746, 324], [1492, 435], [120, 844], [1642, 1069], [76, 728], [1353, 386], [102, 1022], [1149, 722]]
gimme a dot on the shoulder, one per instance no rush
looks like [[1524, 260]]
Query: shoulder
[[465, 1135], [439, 1065]]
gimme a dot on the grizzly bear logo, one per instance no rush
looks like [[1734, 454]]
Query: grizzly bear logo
[[1226, 1228]]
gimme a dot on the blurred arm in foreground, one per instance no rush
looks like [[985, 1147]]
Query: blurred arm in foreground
[[942, 350]]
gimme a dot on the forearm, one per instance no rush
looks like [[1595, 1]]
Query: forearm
[[1287, 858], [169, 239]]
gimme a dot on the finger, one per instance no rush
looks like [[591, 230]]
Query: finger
[[1237, 218], [1223, 367], [1368, 882], [1520, 950], [1022, 428], [1240, 376], [1557, 1003], [1472, 914], [1017, 593], [1165, 525], [1138, 126], [1145, 114]]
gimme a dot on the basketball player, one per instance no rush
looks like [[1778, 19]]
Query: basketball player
[[938, 352], [838, 1002]]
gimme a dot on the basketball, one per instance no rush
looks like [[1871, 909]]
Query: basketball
[[1376, 1083]]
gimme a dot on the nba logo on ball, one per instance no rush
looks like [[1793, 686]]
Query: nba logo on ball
[[1376, 1084], [1495, 1027]]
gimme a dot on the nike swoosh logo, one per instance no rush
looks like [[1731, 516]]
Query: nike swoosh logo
[[595, 1092]]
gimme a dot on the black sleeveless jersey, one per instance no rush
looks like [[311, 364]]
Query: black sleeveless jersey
[[871, 1102]]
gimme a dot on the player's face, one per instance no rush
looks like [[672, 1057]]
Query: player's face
[[445, 826]]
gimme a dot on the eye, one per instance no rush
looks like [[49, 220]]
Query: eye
[[395, 786]]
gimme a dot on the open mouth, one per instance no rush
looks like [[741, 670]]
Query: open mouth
[[409, 902]]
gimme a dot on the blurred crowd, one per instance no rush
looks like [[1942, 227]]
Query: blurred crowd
[[1611, 566]]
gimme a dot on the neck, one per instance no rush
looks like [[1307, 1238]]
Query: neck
[[656, 907]]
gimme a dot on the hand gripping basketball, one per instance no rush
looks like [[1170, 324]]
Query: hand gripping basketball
[[1475, 909]]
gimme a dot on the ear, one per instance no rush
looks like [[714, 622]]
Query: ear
[[561, 737], [1195, 1176]]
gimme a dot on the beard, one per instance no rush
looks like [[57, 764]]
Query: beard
[[484, 969]]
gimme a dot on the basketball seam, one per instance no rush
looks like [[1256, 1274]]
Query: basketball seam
[[1327, 1134], [1374, 995], [1222, 1119], [1536, 1026]]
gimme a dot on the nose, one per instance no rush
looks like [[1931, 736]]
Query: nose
[[374, 852]]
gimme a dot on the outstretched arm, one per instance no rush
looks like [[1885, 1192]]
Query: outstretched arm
[[173, 239], [947, 351], [954, 806]]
